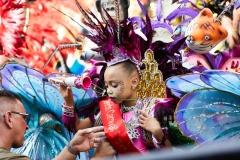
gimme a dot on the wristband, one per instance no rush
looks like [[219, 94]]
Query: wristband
[[71, 149], [67, 110]]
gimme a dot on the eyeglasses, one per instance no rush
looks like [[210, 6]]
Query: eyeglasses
[[25, 116]]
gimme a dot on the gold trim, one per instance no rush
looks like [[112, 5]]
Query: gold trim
[[151, 83]]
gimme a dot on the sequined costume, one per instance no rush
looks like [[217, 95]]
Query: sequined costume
[[141, 138], [120, 42]]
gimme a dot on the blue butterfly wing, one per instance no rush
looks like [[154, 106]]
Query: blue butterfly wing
[[222, 80], [83, 97], [209, 116], [28, 83], [42, 142], [181, 85]]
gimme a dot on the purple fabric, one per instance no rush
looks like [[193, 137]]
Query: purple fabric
[[157, 24], [187, 1], [176, 44], [198, 69], [211, 59], [142, 8], [159, 9], [235, 52], [182, 12], [218, 61], [137, 20]]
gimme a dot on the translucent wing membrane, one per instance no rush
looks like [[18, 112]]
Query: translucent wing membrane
[[208, 116], [181, 85], [222, 80]]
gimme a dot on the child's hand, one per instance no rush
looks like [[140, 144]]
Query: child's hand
[[66, 92], [150, 124]]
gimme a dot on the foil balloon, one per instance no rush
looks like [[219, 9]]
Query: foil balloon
[[204, 33], [73, 81]]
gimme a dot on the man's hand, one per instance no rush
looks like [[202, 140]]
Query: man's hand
[[87, 139], [104, 150]]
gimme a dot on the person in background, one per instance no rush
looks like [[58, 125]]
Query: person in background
[[13, 124]]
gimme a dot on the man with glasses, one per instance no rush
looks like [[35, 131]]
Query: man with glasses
[[13, 125]]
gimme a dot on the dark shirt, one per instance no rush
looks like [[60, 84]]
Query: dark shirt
[[7, 155]]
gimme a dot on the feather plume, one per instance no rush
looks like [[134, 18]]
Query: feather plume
[[112, 24], [87, 17], [12, 21], [118, 20]]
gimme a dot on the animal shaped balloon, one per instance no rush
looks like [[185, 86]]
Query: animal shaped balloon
[[204, 32]]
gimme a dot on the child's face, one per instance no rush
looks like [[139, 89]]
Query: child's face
[[119, 83]]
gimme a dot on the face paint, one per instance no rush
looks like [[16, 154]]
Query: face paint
[[118, 84], [122, 88]]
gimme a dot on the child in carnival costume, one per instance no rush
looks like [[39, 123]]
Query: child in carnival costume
[[136, 108]]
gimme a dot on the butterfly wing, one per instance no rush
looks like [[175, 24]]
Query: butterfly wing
[[208, 116], [222, 80], [28, 83], [42, 141], [181, 85]]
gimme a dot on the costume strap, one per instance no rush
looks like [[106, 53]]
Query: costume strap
[[114, 127]]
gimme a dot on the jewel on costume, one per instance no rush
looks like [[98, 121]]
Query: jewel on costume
[[151, 83]]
